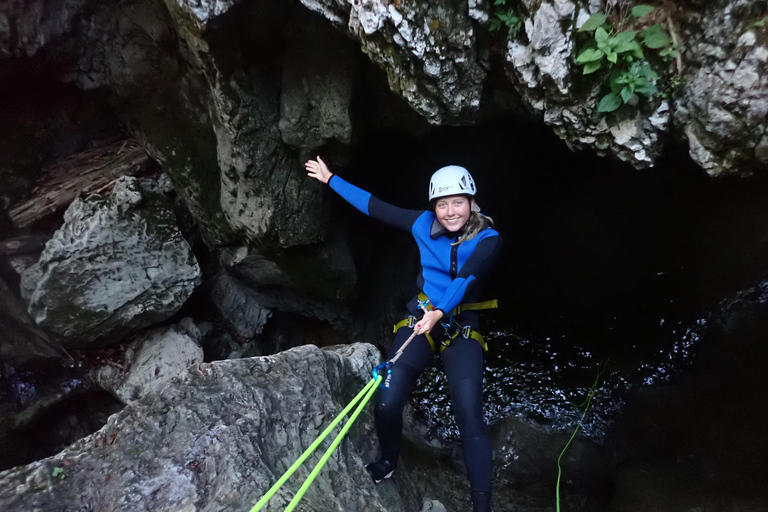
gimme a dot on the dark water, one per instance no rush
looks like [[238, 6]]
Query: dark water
[[547, 381], [601, 264]]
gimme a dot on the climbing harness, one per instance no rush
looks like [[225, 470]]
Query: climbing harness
[[585, 404], [452, 325]]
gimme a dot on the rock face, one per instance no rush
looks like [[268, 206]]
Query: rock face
[[151, 360], [216, 439], [25, 27], [118, 263], [548, 82], [429, 51], [724, 104]]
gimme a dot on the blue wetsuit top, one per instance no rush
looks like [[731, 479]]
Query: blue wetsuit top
[[450, 274]]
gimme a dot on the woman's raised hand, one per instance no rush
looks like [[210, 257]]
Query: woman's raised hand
[[318, 170]]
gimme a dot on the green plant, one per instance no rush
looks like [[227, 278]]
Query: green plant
[[620, 52], [503, 15], [57, 472]]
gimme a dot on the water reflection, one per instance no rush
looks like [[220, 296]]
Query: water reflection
[[545, 380]]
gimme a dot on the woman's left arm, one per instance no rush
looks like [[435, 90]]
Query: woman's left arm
[[474, 271]]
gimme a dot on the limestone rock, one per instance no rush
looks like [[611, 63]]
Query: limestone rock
[[25, 27], [544, 76], [428, 50], [316, 94], [245, 308], [216, 439], [119, 263], [724, 101], [150, 361]]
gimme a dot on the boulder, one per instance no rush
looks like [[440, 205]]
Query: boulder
[[149, 362], [118, 264], [216, 439]]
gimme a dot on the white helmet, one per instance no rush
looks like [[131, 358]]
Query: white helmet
[[451, 181]]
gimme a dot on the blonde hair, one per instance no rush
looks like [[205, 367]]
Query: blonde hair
[[476, 223]]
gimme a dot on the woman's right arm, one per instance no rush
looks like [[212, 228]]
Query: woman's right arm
[[362, 200]]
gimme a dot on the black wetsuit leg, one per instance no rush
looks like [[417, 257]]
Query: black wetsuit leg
[[390, 402], [463, 363]]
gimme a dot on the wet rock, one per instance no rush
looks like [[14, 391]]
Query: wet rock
[[428, 50], [119, 263], [25, 27], [22, 341], [543, 74], [186, 448], [149, 362], [724, 100], [242, 308], [245, 309], [526, 458], [316, 94], [697, 442], [29, 391]]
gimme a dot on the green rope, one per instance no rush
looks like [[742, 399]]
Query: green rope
[[586, 403], [333, 446], [369, 389]]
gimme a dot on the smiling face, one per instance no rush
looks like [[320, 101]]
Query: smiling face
[[452, 212]]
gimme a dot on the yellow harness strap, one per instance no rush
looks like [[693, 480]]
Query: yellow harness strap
[[467, 332], [472, 306], [409, 322], [476, 306]]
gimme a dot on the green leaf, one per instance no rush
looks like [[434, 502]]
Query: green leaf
[[495, 24], [625, 37], [601, 35], [630, 46], [655, 37], [648, 89], [500, 2], [57, 471], [591, 67], [612, 56], [589, 55], [609, 103], [641, 10], [627, 93], [614, 81], [594, 21], [645, 70]]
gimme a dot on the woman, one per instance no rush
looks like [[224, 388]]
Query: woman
[[457, 248]]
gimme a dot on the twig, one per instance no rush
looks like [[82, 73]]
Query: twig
[[675, 41]]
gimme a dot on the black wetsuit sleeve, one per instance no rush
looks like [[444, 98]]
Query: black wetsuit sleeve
[[473, 272], [374, 207], [482, 260]]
